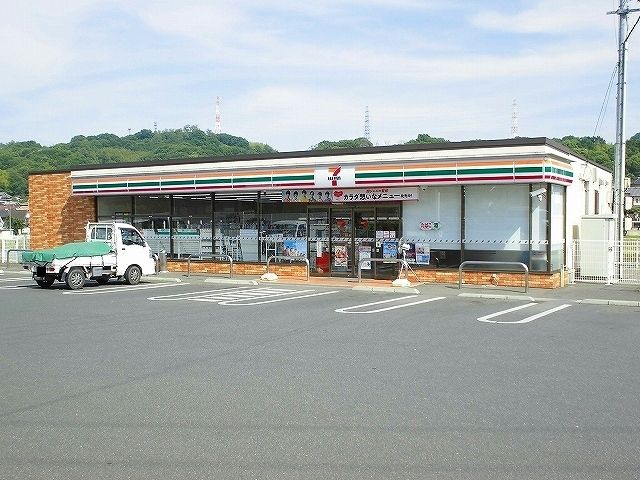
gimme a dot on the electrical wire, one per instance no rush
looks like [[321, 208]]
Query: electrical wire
[[631, 31], [605, 101]]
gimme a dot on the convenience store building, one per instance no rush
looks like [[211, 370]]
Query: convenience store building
[[515, 200]]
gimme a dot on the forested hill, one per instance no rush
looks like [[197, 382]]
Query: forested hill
[[17, 159]]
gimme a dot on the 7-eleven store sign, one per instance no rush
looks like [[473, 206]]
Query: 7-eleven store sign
[[335, 177]]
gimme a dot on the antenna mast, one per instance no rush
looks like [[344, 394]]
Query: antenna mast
[[218, 126], [367, 129], [514, 119]]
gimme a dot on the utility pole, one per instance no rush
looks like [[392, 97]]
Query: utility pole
[[619, 160]]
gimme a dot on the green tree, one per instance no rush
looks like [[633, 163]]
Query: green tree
[[359, 142], [424, 138]]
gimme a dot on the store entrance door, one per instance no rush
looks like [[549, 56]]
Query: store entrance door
[[342, 242], [342, 235]]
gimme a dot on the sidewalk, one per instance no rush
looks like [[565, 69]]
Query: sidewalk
[[589, 293]]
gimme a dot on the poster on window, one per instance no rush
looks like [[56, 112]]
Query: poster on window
[[410, 255], [295, 248], [423, 253], [364, 251], [389, 249], [340, 256]]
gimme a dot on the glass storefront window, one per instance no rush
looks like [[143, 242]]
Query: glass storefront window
[[191, 237], [539, 224], [114, 208], [152, 205], [283, 228], [557, 227], [155, 230], [235, 228], [432, 224], [192, 205], [488, 237]]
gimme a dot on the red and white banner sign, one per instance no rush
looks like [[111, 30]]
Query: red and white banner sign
[[350, 195]]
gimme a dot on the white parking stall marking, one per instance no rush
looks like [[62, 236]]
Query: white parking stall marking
[[8, 280], [124, 288], [502, 312], [187, 295], [528, 319], [286, 299], [349, 310], [542, 314], [243, 296]]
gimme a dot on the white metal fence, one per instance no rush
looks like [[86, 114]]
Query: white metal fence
[[606, 262], [17, 242]]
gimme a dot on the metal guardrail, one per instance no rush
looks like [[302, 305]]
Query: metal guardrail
[[380, 260], [14, 250], [226, 257], [285, 257], [478, 262]]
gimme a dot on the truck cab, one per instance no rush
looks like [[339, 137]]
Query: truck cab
[[128, 244]]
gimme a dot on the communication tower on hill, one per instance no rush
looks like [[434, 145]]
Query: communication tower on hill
[[367, 129], [514, 120], [218, 126]]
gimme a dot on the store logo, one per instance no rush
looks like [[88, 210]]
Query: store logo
[[334, 177]]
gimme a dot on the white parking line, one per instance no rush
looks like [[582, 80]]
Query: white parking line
[[237, 303], [124, 288], [524, 320], [14, 279], [348, 309], [243, 296], [542, 314], [222, 293], [502, 312]]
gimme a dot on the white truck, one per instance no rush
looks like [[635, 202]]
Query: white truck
[[111, 250]]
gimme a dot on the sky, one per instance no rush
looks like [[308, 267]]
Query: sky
[[292, 73]]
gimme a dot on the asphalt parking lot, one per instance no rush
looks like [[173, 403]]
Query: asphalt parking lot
[[197, 380]]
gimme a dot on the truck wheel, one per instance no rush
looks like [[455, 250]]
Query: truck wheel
[[75, 278], [132, 275], [46, 282], [102, 280]]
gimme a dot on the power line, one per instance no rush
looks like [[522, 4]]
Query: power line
[[605, 101]]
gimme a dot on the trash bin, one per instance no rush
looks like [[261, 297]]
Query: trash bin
[[162, 261]]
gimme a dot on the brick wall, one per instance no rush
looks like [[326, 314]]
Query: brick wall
[[503, 279], [57, 217]]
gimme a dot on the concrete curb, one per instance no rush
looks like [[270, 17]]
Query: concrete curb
[[602, 301], [494, 296], [155, 278], [363, 288], [231, 281]]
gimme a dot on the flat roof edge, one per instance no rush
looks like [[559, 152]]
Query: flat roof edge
[[510, 142]]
